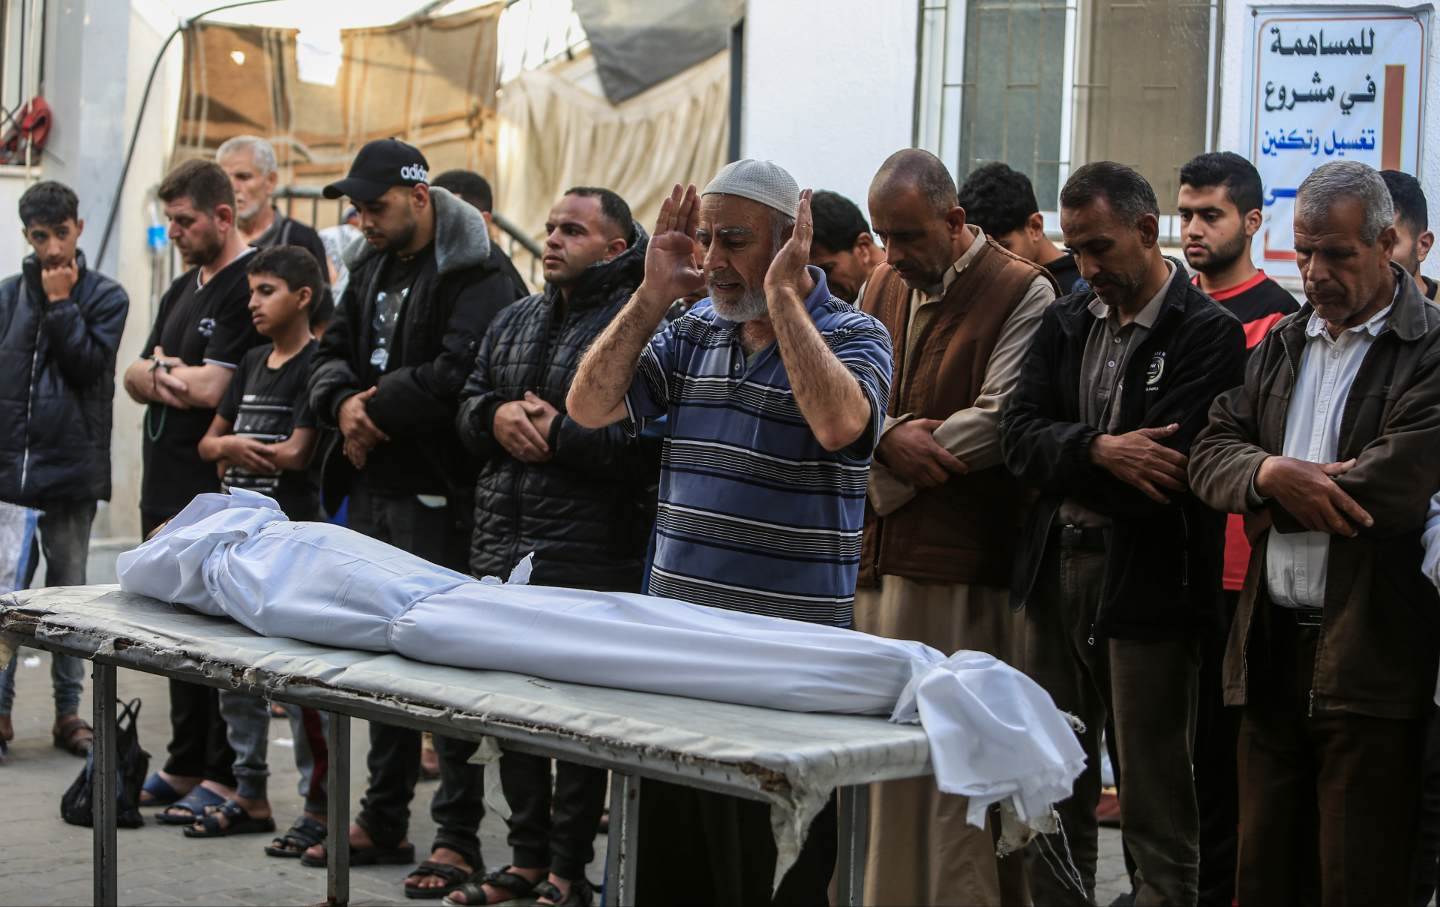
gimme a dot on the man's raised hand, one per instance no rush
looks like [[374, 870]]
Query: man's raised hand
[[787, 269], [670, 270], [57, 282]]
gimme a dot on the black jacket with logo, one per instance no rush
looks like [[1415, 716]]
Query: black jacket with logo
[[586, 512], [57, 383], [460, 287], [1163, 561]]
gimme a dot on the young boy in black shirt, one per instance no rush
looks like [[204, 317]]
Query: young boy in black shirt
[[263, 434], [262, 438]]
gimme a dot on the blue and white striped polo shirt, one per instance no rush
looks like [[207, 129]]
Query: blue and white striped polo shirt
[[754, 514]]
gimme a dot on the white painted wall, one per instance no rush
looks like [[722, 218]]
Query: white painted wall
[[829, 88], [13, 183], [1233, 99], [99, 55]]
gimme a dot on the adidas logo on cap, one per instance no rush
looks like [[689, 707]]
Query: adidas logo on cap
[[415, 172]]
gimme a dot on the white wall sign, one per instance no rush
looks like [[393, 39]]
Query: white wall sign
[[1330, 86]]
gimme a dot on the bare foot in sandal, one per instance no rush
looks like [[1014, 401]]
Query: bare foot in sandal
[[558, 891], [423, 878], [506, 884], [72, 734]]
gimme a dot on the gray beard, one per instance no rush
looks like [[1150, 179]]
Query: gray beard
[[751, 306]]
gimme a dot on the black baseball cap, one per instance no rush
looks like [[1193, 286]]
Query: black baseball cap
[[378, 166]]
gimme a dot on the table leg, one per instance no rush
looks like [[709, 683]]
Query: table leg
[[337, 795], [103, 783], [854, 842], [624, 838]]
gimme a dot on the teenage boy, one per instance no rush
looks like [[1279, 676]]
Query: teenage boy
[[263, 437], [62, 324], [1001, 201], [1413, 239], [1219, 205]]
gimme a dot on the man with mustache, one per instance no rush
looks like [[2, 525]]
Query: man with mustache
[[388, 375], [943, 512], [1332, 446], [773, 396], [57, 354], [1119, 566], [1220, 211], [202, 331]]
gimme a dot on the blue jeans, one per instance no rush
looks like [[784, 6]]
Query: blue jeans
[[64, 531], [247, 723]]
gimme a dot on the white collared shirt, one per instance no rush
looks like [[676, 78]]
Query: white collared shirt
[[1295, 563]]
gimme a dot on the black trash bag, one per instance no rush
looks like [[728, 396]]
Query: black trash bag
[[132, 764]]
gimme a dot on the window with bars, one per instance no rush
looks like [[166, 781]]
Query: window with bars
[[1046, 85], [22, 43]]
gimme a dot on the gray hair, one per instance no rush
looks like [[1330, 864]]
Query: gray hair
[[1329, 183], [261, 151]]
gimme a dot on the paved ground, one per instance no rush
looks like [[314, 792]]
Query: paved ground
[[45, 861]]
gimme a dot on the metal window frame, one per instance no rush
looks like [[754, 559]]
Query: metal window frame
[[930, 122]]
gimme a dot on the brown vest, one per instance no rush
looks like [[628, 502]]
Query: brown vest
[[965, 530]]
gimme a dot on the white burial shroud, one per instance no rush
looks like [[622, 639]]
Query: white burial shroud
[[994, 734]]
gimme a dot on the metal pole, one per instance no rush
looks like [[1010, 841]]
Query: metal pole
[[854, 842], [337, 796], [624, 838], [103, 783]]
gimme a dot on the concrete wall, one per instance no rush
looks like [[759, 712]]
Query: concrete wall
[[13, 183], [99, 54], [829, 88]]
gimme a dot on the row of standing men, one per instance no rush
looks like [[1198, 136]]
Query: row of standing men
[[1030, 493]]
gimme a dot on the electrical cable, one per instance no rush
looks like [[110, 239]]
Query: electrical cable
[[140, 116]]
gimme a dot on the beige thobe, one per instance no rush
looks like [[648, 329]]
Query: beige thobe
[[922, 851]]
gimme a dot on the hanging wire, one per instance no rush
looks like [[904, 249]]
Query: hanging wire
[[140, 116]]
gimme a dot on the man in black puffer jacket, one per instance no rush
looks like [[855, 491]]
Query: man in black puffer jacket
[[60, 324], [575, 497]]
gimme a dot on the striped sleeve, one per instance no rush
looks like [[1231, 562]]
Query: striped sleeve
[[863, 345], [649, 395]]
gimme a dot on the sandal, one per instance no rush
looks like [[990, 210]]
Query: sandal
[[453, 875], [368, 856], [162, 792], [474, 891], [73, 735], [582, 894], [237, 822], [194, 803], [304, 833]]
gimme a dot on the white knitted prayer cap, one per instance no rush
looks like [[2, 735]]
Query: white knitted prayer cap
[[760, 181]]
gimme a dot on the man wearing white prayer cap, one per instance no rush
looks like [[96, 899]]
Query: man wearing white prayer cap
[[773, 393]]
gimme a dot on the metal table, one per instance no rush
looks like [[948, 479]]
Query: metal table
[[790, 760]]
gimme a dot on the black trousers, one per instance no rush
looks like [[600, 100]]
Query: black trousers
[[699, 848], [1217, 785], [199, 746], [458, 804], [552, 832], [404, 521], [1427, 857], [1329, 801]]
